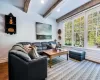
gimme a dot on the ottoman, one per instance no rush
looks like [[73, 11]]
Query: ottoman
[[77, 54]]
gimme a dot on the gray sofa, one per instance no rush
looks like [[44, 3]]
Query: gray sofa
[[40, 45]]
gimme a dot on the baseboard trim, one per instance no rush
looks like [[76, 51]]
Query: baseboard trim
[[93, 61], [3, 60]]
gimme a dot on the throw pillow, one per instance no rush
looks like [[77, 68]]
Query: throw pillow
[[33, 53], [27, 48], [53, 45]]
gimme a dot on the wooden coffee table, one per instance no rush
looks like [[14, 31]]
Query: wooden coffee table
[[53, 53]]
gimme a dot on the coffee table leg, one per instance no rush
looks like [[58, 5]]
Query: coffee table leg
[[50, 63]]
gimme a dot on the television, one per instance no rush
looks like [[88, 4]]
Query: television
[[43, 31]]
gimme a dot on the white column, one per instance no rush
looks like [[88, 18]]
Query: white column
[[72, 32], [85, 31]]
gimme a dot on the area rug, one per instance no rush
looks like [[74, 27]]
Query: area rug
[[73, 70]]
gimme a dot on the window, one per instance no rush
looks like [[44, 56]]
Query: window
[[79, 32], [75, 29], [68, 33], [94, 29]]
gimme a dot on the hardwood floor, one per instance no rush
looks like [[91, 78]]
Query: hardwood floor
[[4, 71], [91, 55]]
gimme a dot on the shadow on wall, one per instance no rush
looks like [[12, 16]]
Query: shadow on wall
[[22, 9], [2, 23]]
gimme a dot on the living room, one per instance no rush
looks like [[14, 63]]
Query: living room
[[74, 24]]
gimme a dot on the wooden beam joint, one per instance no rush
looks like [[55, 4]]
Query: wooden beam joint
[[51, 8]]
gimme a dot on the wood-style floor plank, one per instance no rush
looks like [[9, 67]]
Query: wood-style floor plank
[[4, 71]]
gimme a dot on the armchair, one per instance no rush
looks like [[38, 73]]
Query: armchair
[[20, 68]]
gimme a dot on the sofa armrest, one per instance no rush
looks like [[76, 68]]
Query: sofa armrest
[[37, 68], [37, 59], [16, 68]]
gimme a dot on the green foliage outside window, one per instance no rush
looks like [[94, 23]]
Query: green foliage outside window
[[94, 29], [98, 40], [68, 33], [79, 32], [91, 38]]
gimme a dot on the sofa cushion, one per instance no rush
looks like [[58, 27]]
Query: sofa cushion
[[52, 42], [21, 54], [44, 45], [24, 43]]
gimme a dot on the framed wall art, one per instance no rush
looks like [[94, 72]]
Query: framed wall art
[[43, 31]]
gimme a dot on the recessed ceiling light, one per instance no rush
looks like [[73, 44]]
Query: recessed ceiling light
[[42, 1], [58, 10]]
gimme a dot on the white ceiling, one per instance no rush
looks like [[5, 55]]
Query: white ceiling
[[36, 6], [67, 6], [17, 3]]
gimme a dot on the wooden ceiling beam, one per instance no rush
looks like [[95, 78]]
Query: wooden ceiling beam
[[51, 8], [26, 5], [79, 9]]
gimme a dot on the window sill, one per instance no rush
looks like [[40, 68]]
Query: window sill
[[97, 49]]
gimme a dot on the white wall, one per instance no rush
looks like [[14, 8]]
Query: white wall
[[61, 26], [25, 28]]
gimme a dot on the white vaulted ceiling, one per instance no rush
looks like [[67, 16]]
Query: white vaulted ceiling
[[17, 3], [36, 6], [67, 6]]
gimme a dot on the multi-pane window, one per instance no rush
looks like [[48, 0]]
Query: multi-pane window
[[77, 29], [94, 29], [79, 32], [68, 33]]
